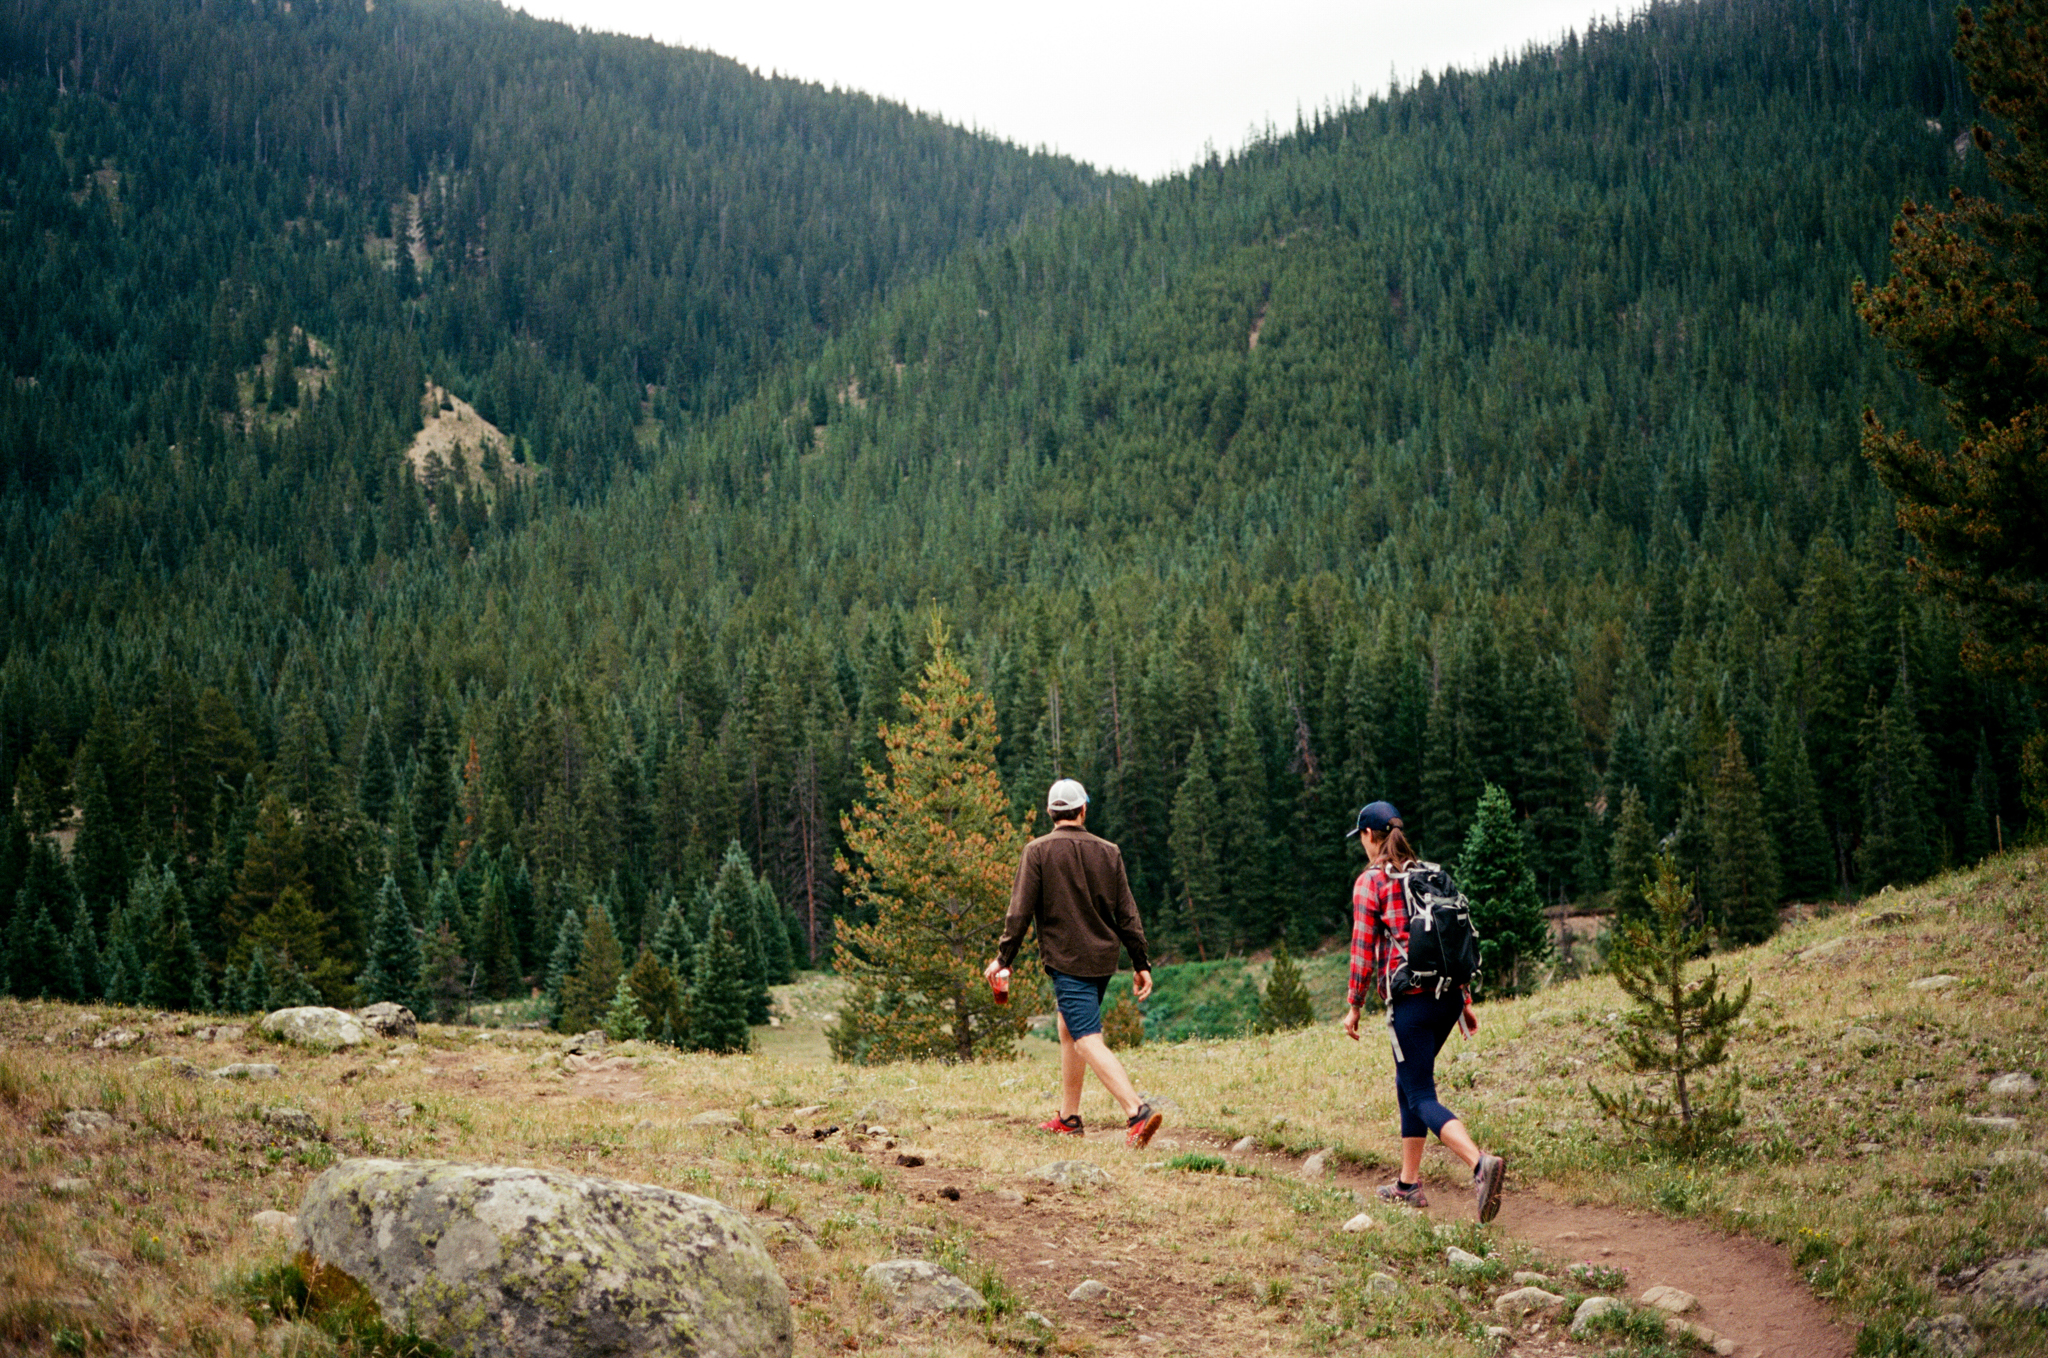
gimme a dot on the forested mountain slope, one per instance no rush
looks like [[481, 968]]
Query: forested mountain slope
[[595, 228], [1500, 430]]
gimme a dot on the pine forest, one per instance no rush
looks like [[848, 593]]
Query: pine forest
[[476, 493]]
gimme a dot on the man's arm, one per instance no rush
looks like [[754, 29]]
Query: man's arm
[[1023, 904], [1130, 930]]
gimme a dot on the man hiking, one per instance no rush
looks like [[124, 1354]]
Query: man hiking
[[1072, 883]]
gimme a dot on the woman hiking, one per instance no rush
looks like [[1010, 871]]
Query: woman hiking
[[1420, 1017]]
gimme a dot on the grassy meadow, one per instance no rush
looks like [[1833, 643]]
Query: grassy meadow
[[1872, 1153]]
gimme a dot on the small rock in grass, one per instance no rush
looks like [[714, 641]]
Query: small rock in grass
[[292, 1122], [881, 1110], [1995, 1124], [1244, 1144], [1073, 1174], [1530, 1278], [1089, 1289], [248, 1070], [1361, 1222], [1383, 1283], [1592, 1308], [274, 1222], [719, 1119], [1699, 1334], [100, 1262], [120, 1039], [810, 1110], [1941, 982], [1948, 1336], [70, 1187], [1463, 1261], [1033, 1318], [1312, 1168], [2018, 1083], [87, 1122], [918, 1287], [2020, 1281], [1821, 951], [1864, 1039], [170, 1065], [1523, 1300], [1670, 1299]]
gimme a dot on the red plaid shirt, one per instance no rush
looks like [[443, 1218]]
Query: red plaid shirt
[[1379, 939]]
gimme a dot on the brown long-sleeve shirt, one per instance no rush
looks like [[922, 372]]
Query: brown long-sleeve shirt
[[1073, 884]]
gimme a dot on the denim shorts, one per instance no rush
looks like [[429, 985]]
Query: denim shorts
[[1080, 1001]]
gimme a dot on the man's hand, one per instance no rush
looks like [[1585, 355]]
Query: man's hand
[[1351, 1023], [988, 972], [1141, 985]]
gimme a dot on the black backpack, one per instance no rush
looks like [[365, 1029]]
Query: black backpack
[[1443, 947]]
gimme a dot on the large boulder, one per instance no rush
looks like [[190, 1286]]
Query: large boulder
[[316, 1026], [386, 1018], [498, 1261]]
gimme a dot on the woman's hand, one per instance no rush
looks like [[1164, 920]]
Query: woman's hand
[[1351, 1023]]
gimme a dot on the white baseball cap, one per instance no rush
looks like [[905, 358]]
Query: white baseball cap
[[1065, 795]]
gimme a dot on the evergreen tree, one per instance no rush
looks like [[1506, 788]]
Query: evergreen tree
[[121, 959], [258, 990], [83, 958], [99, 856], [1285, 1005], [1677, 1027], [778, 964], [1742, 884], [659, 997], [1962, 309], [498, 957], [623, 1021], [1507, 912], [674, 943], [393, 972], [1792, 806], [562, 962], [174, 973], [44, 906], [1200, 911], [377, 776], [718, 992], [736, 889], [402, 861], [1901, 833], [433, 793], [1633, 855], [445, 972], [1981, 823], [598, 967], [932, 852]]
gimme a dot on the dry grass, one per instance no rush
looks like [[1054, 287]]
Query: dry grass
[[1857, 1157]]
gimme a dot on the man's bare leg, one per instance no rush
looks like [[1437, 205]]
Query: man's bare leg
[[1078, 1056]]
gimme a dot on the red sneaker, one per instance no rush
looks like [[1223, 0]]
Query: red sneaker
[[1066, 1126], [1138, 1131]]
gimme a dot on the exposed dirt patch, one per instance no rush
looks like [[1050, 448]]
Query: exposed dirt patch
[[1747, 1289]]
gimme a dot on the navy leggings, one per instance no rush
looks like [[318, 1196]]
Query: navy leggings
[[1421, 1023]]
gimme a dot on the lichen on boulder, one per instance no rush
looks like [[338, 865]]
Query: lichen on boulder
[[315, 1025], [498, 1261]]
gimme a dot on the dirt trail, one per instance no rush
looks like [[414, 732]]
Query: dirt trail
[[1747, 1289], [1164, 1303]]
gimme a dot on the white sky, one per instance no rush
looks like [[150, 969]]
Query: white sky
[[1141, 88]]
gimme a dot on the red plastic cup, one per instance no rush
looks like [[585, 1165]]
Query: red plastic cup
[[999, 982]]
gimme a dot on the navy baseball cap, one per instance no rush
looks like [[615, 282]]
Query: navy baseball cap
[[1377, 817]]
